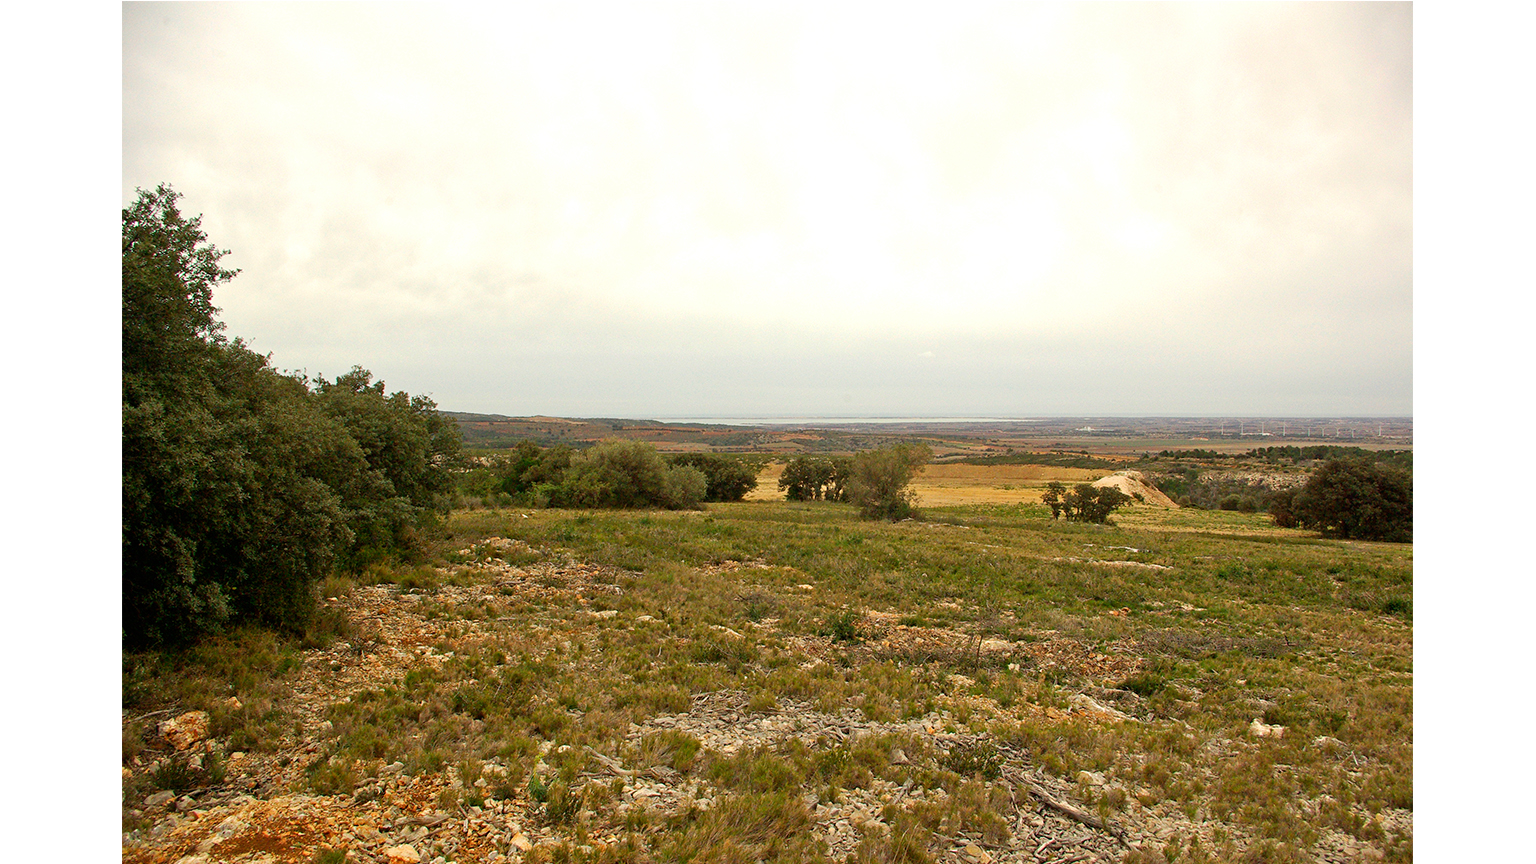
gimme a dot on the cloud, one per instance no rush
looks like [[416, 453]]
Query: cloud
[[625, 190]]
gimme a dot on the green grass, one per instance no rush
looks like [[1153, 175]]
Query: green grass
[[1233, 621]]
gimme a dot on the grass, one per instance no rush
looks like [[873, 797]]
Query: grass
[[1194, 623]]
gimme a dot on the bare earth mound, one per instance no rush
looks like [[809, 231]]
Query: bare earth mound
[[1135, 485]]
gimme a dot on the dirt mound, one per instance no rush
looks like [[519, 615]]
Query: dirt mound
[[1135, 485]]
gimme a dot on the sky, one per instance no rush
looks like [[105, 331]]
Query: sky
[[819, 209]]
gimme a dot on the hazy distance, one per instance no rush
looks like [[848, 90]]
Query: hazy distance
[[733, 210]]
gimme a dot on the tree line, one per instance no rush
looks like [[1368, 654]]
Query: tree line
[[612, 474], [1296, 455]]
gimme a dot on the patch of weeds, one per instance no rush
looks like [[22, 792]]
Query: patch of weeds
[[177, 774], [329, 856], [905, 842], [735, 653], [336, 587], [1144, 684], [843, 626], [757, 605], [1395, 605], [325, 626], [332, 776], [1195, 646], [676, 750], [973, 759], [422, 579], [134, 735]]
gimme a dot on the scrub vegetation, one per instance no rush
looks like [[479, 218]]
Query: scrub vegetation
[[988, 624]]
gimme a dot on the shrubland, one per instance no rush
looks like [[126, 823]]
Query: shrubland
[[985, 625]]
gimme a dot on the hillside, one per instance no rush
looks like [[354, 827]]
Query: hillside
[[783, 682]]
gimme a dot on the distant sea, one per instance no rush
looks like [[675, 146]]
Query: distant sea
[[837, 421]]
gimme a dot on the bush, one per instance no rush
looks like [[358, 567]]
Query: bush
[[686, 486], [530, 467], [816, 478], [627, 474], [879, 478], [1084, 503], [1355, 499], [242, 487], [729, 478]]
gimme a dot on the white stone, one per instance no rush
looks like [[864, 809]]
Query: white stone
[[404, 854], [1259, 729]]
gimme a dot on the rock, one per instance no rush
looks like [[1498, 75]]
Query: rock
[[521, 843], [404, 854], [184, 731], [159, 799], [899, 757], [1088, 703], [606, 613], [1259, 729], [229, 828], [973, 852], [1090, 778]]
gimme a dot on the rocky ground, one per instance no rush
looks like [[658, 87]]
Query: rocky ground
[[265, 811]]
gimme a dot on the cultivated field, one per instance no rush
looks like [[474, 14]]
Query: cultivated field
[[778, 681]]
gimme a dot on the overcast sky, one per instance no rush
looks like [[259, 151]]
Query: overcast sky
[[753, 209]]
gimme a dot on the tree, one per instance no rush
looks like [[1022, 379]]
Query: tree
[[1084, 503], [879, 479], [816, 478], [241, 486], [178, 455], [628, 474], [730, 478], [1054, 493], [410, 451], [169, 273], [1355, 499]]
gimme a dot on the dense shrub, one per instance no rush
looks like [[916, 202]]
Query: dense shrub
[[878, 480], [1084, 503], [730, 478], [242, 487], [627, 474], [1352, 498], [816, 478]]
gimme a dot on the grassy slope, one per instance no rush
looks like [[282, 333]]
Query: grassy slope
[[1237, 621]]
